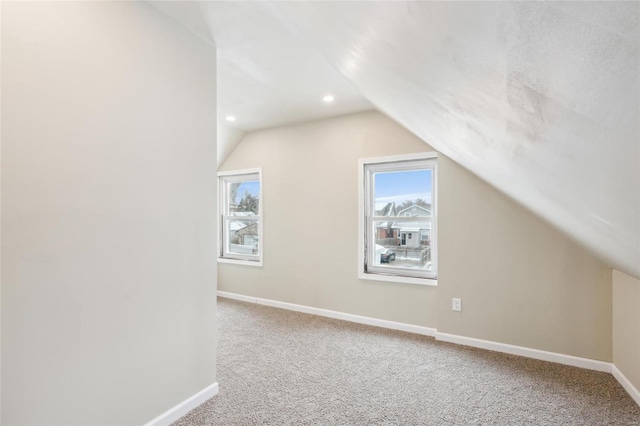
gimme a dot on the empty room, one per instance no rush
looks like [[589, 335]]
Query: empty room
[[320, 213]]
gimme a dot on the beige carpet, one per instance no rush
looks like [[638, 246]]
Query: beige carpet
[[277, 367]]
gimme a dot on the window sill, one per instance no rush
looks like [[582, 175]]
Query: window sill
[[240, 262], [432, 282]]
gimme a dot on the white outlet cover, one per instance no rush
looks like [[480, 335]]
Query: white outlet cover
[[456, 304]]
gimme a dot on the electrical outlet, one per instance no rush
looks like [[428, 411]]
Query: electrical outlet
[[456, 304]]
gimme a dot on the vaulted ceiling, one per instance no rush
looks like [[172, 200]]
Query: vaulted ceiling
[[540, 99]]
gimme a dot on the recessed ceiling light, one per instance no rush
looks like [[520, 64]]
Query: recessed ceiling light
[[230, 118], [328, 98]]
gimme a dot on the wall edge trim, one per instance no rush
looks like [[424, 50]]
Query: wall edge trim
[[633, 392], [574, 361], [178, 411], [236, 296], [393, 325], [589, 364]]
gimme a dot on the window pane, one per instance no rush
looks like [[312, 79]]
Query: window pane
[[403, 193], [402, 245], [242, 236], [244, 198]]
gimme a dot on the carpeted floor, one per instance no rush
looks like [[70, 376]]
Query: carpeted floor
[[277, 367]]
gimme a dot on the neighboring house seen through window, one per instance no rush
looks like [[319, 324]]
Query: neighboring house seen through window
[[241, 217], [398, 219]]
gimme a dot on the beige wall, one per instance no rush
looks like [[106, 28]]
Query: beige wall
[[108, 195], [521, 281], [310, 194], [626, 326]]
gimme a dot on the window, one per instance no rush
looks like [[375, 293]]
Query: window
[[409, 182], [241, 217]]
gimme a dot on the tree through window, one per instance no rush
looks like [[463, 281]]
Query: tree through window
[[241, 213]]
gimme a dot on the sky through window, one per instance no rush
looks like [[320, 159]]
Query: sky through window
[[402, 186]]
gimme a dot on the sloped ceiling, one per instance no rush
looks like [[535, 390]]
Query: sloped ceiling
[[540, 99]]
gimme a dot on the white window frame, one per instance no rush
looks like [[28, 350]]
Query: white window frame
[[223, 255], [366, 206]]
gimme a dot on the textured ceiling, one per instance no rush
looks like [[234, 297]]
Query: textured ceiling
[[540, 99]]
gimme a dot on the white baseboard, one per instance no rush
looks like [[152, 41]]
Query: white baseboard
[[173, 414], [626, 384], [236, 296], [590, 364], [416, 329]]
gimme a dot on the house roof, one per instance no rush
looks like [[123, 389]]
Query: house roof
[[411, 226], [428, 211], [384, 209], [405, 226], [236, 225], [384, 224]]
